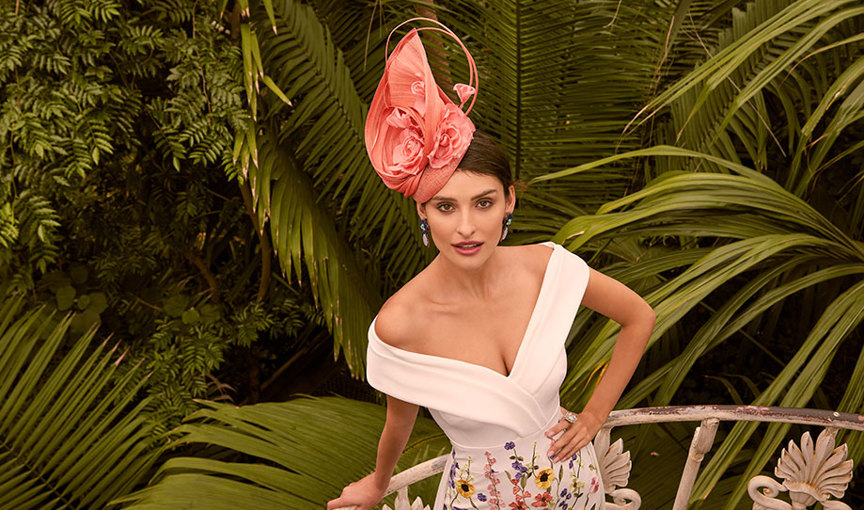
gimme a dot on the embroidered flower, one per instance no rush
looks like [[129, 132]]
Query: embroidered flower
[[544, 478], [492, 488], [481, 496], [452, 137], [465, 489], [595, 485], [519, 466], [542, 499], [509, 445]]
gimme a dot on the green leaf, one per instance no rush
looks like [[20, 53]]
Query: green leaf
[[176, 305], [98, 302], [191, 316], [65, 297], [82, 302]]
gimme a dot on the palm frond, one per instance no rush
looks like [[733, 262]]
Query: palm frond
[[71, 432], [544, 70], [304, 235], [303, 452], [796, 383], [325, 131]]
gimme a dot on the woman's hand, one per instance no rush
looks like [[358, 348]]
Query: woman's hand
[[360, 495], [575, 436]]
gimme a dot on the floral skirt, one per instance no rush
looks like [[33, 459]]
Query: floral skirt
[[517, 475]]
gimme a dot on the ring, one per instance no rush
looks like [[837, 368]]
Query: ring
[[571, 417]]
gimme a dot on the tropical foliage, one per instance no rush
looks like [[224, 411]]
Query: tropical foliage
[[290, 468], [706, 153], [72, 433], [119, 198]]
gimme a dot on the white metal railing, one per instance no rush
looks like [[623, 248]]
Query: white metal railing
[[811, 471]]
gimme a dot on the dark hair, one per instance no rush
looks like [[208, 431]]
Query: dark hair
[[485, 157]]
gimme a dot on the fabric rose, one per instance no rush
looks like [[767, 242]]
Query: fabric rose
[[454, 134], [402, 150]]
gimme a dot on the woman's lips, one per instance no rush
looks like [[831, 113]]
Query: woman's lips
[[467, 251]]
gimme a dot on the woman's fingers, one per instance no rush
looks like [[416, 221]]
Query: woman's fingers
[[342, 502], [338, 503], [573, 439], [574, 446], [558, 427], [562, 440]]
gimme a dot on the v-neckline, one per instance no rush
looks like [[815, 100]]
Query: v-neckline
[[544, 283]]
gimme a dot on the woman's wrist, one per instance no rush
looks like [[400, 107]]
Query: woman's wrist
[[380, 480]]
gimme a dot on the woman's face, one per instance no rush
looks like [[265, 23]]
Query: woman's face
[[466, 217]]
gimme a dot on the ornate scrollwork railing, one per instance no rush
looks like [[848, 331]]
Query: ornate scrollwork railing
[[811, 471]]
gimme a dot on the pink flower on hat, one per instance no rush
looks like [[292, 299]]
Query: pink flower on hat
[[402, 154], [454, 134]]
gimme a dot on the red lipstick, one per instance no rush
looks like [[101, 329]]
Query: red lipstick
[[467, 247]]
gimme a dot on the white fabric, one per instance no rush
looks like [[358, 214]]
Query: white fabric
[[478, 408]]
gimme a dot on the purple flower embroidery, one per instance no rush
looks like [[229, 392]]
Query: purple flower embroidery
[[481, 496], [509, 445]]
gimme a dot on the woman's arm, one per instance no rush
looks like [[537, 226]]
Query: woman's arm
[[368, 491], [615, 300], [401, 416]]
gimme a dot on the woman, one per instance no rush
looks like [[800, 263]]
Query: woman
[[478, 336]]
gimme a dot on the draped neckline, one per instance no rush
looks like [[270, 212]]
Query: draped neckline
[[532, 325]]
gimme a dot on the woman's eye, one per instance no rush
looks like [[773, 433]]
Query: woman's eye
[[444, 207], [484, 203]]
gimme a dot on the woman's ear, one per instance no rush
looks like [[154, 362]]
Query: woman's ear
[[511, 199], [421, 209]]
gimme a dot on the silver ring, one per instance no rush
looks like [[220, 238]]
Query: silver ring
[[571, 417]]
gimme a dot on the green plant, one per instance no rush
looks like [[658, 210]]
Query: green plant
[[275, 458], [72, 435]]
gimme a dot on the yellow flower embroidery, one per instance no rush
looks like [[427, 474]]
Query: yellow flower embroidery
[[544, 478], [465, 489]]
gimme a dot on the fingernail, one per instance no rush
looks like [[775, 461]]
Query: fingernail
[[549, 453], [548, 434]]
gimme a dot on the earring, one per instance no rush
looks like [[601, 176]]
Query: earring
[[507, 221], [424, 227]]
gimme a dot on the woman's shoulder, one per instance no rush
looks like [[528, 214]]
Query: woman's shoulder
[[532, 257], [397, 319], [402, 314]]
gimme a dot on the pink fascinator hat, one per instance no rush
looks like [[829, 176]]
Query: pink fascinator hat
[[415, 135]]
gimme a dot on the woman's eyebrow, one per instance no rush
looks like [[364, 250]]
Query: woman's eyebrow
[[475, 197]]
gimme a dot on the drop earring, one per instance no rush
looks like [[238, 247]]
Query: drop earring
[[507, 221], [424, 227]]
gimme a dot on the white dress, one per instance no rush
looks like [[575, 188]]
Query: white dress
[[497, 423]]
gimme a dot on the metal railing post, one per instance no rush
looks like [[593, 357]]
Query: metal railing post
[[703, 439]]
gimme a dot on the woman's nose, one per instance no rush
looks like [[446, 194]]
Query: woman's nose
[[466, 225]]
